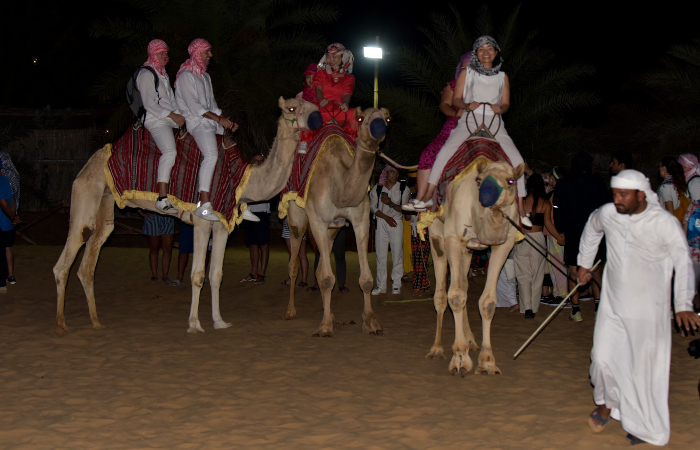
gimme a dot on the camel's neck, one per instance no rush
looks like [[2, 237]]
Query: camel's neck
[[358, 175], [269, 178]]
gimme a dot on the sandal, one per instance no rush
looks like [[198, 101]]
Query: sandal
[[250, 277], [286, 282], [343, 290], [312, 289], [302, 284], [597, 423], [260, 279], [635, 440], [154, 279]]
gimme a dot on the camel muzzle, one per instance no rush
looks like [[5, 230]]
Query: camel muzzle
[[489, 192], [315, 121], [377, 128]]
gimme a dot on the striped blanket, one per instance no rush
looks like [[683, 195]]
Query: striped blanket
[[132, 172], [304, 165], [465, 161]]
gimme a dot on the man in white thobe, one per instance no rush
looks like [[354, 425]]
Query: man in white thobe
[[631, 356], [387, 209]]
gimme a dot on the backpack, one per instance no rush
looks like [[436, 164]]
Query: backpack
[[133, 96], [402, 188], [693, 228]]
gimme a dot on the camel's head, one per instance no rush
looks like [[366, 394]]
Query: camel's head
[[373, 124], [299, 114], [496, 183]]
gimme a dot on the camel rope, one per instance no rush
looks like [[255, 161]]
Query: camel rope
[[395, 164]]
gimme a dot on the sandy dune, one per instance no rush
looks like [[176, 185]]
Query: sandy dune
[[266, 383]]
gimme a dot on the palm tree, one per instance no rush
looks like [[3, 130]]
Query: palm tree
[[543, 91], [260, 49]]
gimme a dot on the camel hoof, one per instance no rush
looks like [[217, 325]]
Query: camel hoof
[[435, 353], [221, 324], [463, 372], [98, 326], [195, 327], [489, 369], [290, 315], [454, 371], [473, 346], [60, 329], [372, 327], [322, 333]]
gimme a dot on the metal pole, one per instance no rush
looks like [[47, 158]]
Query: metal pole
[[376, 78]]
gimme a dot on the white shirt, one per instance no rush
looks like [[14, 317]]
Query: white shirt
[[483, 89], [263, 207], [195, 96], [630, 360], [667, 193], [694, 189], [157, 104], [396, 197]]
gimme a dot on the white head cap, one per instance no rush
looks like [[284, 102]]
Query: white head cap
[[632, 179]]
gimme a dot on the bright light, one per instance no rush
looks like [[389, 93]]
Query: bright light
[[35, 61], [373, 52]]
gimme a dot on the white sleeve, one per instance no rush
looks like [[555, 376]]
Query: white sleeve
[[373, 200], [684, 276], [188, 93], [592, 234], [694, 189], [146, 84], [406, 196], [215, 108]]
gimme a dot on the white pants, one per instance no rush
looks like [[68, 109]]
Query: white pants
[[529, 270], [461, 133], [505, 288], [386, 237], [205, 138], [162, 132]]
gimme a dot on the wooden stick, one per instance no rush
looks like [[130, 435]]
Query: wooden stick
[[556, 310]]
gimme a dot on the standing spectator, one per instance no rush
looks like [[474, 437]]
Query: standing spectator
[[558, 271], [160, 231], [691, 170], [303, 259], [420, 253], [257, 236], [631, 356], [506, 286], [529, 262], [185, 249], [620, 161], [673, 190], [8, 170], [8, 220], [338, 250], [386, 207], [575, 198]]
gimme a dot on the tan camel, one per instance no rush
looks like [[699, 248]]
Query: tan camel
[[467, 225], [92, 216], [339, 191]]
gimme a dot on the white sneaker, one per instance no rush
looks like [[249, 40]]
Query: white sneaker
[[410, 206], [303, 148], [377, 291], [206, 212], [247, 215], [396, 291], [165, 206], [423, 205], [525, 220]]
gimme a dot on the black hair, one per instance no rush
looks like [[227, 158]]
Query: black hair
[[674, 169], [535, 186], [623, 157]]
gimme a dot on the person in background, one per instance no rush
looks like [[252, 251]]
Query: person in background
[[673, 190], [620, 161], [558, 271], [185, 249], [691, 171], [303, 259], [408, 257], [8, 170], [160, 232], [8, 220], [257, 236]]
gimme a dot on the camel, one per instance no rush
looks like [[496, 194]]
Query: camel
[[92, 216], [339, 191], [472, 220]]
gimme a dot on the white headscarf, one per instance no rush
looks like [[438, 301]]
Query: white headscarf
[[632, 179]]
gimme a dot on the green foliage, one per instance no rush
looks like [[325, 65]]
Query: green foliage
[[260, 49], [543, 91]]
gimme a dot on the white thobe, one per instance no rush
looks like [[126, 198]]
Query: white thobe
[[388, 237], [631, 356]]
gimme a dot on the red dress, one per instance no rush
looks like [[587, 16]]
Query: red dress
[[333, 89]]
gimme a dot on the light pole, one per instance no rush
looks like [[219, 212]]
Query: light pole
[[376, 54]]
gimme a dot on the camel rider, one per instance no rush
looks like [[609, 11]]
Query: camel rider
[[162, 116], [195, 98], [386, 207], [333, 82]]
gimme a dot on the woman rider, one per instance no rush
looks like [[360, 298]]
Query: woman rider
[[333, 82]]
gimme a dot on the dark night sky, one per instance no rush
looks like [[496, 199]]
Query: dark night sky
[[618, 42]]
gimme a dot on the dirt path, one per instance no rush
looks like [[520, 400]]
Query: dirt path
[[145, 383]]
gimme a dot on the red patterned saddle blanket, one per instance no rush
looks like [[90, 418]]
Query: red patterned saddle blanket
[[304, 165], [132, 173], [464, 161]]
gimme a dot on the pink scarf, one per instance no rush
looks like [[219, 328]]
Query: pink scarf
[[154, 47], [309, 93], [690, 164], [195, 63]]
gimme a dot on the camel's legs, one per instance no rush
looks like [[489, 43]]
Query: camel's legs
[[457, 296], [297, 221], [86, 200], [437, 248], [202, 229], [324, 274], [104, 226], [361, 226], [487, 304], [216, 272]]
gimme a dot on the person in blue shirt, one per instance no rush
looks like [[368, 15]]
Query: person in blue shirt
[[8, 219]]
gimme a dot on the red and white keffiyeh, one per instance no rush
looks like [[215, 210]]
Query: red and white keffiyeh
[[154, 47], [346, 63], [195, 63], [382, 177], [690, 164]]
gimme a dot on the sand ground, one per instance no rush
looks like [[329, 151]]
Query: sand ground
[[266, 383]]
